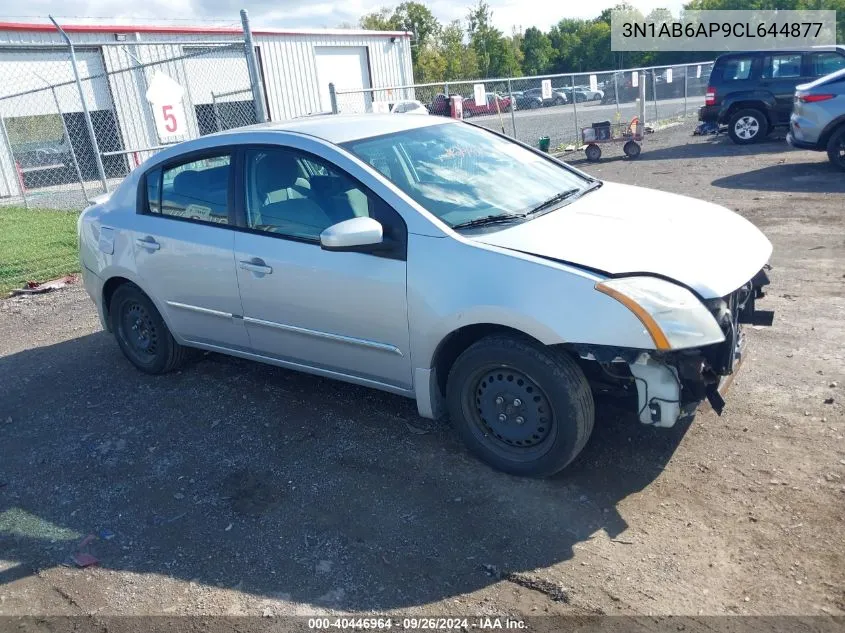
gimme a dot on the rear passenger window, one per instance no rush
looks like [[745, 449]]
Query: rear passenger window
[[736, 69], [779, 66], [822, 64], [198, 190]]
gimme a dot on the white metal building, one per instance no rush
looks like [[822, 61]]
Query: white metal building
[[296, 67]]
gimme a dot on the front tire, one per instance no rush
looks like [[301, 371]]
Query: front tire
[[748, 126], [836, 148], [522, 408], [141, 333]]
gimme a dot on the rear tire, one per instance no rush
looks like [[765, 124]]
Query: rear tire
[[141, 333], [836, 148], [631, 149], [593, 152], [522, 408], [748, 126]]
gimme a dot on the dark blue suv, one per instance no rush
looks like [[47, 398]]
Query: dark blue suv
[[752, 91]]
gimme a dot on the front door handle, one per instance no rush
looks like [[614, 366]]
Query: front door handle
[[256, 265], [148, 242]]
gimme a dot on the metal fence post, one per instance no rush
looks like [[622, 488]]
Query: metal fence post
[[70, 143], [513, 107], [98, 159], [686, 74], [575, 112], [641, 104], [333, 98], [254, 72], [14, 163], [654, 89], [616, 90]]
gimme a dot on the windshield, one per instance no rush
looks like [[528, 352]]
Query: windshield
[[461, 173]]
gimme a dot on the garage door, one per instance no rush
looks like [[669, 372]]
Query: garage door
[[347, 67]]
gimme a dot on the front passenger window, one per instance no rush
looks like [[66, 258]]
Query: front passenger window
[[292, 194]]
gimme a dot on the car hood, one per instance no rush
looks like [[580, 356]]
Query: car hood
[[620, 229]]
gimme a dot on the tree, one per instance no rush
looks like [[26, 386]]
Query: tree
[[496, 55], [537, 52], [430, 65], [382, 20], [461, 60], [419, 20]]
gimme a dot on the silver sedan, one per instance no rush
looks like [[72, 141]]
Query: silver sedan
[[433, 259]]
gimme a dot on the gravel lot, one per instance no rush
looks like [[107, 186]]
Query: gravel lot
[[236, 488]]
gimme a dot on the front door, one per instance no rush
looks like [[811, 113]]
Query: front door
[[183, 243], [343, 312]]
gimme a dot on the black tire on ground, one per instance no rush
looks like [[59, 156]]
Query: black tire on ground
[[748, 126], [593, 152], [836, 148], [631, 149], [142, 334], [520, 407]]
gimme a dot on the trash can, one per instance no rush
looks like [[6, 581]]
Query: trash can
[[543, 143]]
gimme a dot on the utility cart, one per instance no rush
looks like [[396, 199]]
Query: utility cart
[[631, 134]]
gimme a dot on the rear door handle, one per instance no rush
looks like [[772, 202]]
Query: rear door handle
[[148, 242], [256, 265]]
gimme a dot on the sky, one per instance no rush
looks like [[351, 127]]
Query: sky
[[507, 14]]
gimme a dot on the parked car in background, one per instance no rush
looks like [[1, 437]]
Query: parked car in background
[[592, 95], [752, 91], [574, 94], [408, 106], [440, 105], [490, 106], [818, 117], [431, 259], [558, 97], [525, 101]]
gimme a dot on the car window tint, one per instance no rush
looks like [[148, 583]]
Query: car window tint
[[198, 190], [822, 64], [780, 66], [298, 196], [736, 69]]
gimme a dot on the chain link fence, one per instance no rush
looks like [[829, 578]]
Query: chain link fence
[[554, 106], [75, 121]]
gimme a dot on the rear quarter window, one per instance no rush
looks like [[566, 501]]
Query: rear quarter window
[[734, 69]]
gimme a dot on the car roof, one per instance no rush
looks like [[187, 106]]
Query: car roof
[[341, 128], [784, 51]]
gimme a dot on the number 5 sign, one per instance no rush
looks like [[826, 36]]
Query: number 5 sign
[[165, 96]]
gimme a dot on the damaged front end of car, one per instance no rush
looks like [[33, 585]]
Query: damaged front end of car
[[670, 384]]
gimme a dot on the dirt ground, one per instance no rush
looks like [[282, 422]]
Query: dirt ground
[[236, 488]]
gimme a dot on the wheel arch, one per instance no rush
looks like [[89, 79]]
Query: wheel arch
[[120, 278], [830, 129], [754, 102]]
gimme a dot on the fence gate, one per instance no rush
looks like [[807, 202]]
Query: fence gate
[[140, 97]]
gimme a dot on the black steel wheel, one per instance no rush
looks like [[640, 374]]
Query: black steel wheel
[[593, 152], [141, 333], [836, 148], [522, 408], [631, 149]]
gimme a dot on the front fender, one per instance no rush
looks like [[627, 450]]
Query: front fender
[[453, 283]]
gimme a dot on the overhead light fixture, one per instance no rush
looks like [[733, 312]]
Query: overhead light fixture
[[120, 37], [394, 39]]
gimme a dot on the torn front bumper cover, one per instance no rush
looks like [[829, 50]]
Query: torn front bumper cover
[[672, 385]]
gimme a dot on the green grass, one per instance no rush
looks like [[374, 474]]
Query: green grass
[[36, 245]]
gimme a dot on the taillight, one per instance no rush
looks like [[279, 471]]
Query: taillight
[[710, 96], [805, 98]]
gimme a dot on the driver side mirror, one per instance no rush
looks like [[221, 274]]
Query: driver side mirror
[[361, 235]]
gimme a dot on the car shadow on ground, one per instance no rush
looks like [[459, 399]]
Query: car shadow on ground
[[816, 177], [240, 475]]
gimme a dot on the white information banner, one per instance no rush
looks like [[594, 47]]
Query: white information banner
[[635, 79], [594, 83], [546, 87], [165, 96], [480, 94], [698, 72], [668, 75]]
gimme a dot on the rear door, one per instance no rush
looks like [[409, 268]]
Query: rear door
[[781, 73], [183, 244]]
